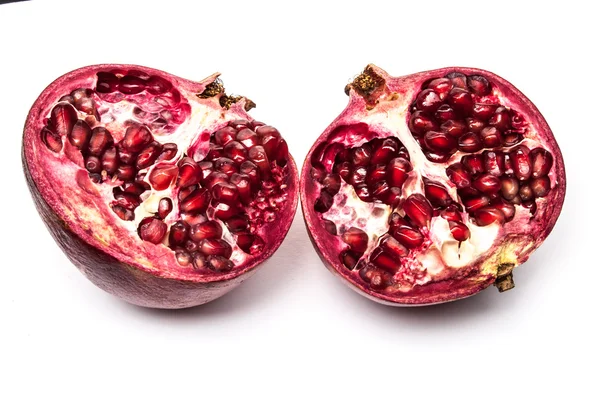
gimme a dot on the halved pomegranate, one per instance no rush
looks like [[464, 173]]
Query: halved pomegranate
[[162, 191], [433, 186]]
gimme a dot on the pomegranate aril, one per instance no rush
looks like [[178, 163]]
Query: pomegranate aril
[[482, 111], [93, 164], [458, 175], [440, 142], [356, 238], [468, 193], [428, 100], [396, 221], [500, 119], [418, 209], [242, 183], [459, 231], [361, 156], [223, 211], [152, 230], [521, 164], [214, 178], [148, 155], [219, 264], [383, 260], [488, 215], [208, 230], [127, 200], [157, 85], [136, 138], [420, 123], [470, 143], [460, 100], [214, 152], [225, 135], [217, 247], [178, 234], [191, 246], [169, 151], [332, 183], [358, 176], [124, 214], [491, 137], [511, 139], [107, 82], [237, 223], [445, 113], [131, 85], [451, 213], [397, 171], [196, 202], [476, 203], [458, 79], [376, 174], [183, 258], [526, 192], [259, 157], [493, 162], [487, 183], [363, 193], [437, 194], [189, 172], [540, 186], [165, 206], [454, 128], [62, 119], [110, 160], [386, 152], [239, 124], [441, 86], [51, 140], [161, 177], [235, 151], [541, 162], [349, 259], [126, 173], [99, 141], [226, 165], [479, 85], [393, 247], [133, 188], [324, 202], [282, 153], [251, 170], [225, 192], [475, 125], [507, 208], [473, 164], [80, 135], [509, 188], [270, 143], [125, 156], [409, 237]]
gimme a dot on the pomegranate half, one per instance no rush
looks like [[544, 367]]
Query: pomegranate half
[[432, 186], [162, 191]]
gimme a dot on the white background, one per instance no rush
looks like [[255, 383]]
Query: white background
[[294, 331]]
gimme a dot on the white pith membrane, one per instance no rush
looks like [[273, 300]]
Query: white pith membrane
[[86, 204], [440, 257]]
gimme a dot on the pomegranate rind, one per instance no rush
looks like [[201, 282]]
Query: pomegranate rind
[[134, 276], [388, 95]]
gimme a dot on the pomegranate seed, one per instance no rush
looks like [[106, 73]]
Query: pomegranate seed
[[357, 239], [475, 125], [270, 143], [251, 170], [125, 156], [440, 142], [451, 214], [376, 174], [541, 162], [427, 100], [282, 153], [344, 169], [437, 194], [225, 135], [165, 206], [332, 183], [493, 162], [148, 155], [483, 112], [131, 85], [488, 215], [110, 161], [540, 186], [363, 193], [491, 137], [454, 128], [459, 231], [479, 85], [519, 158], [396, 221], [460, 100], [136, 138], [393, 247], [468, 193], [473, 164], [420, 123], [470, 143], [196, 202], [474, 204], [51, 140], [245, 241], [152, 230], [349, 259], [191, 246], [318, 173], [258, 155], [214, 178], [510, 187], [80, 135], [183, 258], [458, 79], [178, 234], [324, 202], [441, 86], [189, 173], [500, 119], [62, 119], [418, 209], [208, 230], [99, 141], [214, 152], [386, 152], [458, 175], [361, 156], [329, 226], [445, 113], [219, 264], [235, 151], [127, 200], [124, 214], [161, 177], [409, 237], [526, 193], [93, 164], [358, 176], [169, 151], [199, 261], [237, 223], [217, 247], [126, 173], [157, 85], [380, 190], [225, 192], [508, 209], [133, 188], [107, 82], [487, 183], [224, 211], [397, 171], [383, 260], [242, 183]]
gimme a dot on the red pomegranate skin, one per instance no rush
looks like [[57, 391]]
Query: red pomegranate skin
[[380, 107], [128, 267]]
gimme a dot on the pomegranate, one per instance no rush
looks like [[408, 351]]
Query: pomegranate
[[431, 187], [162, 191]]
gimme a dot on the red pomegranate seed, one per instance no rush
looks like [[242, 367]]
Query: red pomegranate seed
[[540, 186], [189, 172], [169, 151], [196, 202], [51, 140], [62, 119], [217, 247], [386, 152], [358, 176], [459, 231], [329, 226], [125, 156], [500, 119], [244, 240], [521, 164], [376, 174], [332, 183], [488, 215], [349, 259], [271, 144], [493, 162], [259, 157], [460, 100], [409, 237], [393, 247], [396, 221], [526, 193], [127, 200], [475, 125], [468, 193], [224, 211], [437, 194], [508, 209], [152, 230], [242, 183], [474, 204], [491, 137], [420, 123], [219, 264], [445, 113], [93, 164], [157, 85], [541, 162], [440, 142], [282, 153], [380, 190], [99, 141], [107, 82], [225, 192], [361, 156], [198, 261], [427, 100], [191, 246], [487, 183], [510, 187], [178, 234], [473, 164], [133, 188], [470, 143], [131, 85], [418, 209], [226, 165], [80, 135], [148, 155], [357, 239], [483, 112], [383, 260], [511, 139], [214, 151], [110, 160], [251, 170], [239, 124], [458, 79], [208, 230], [225, 135], [214, 178], [237, 223], [161, 177], [248, 138], [441, 86], [136, 138], [344, 169], [124, 214], [479, 85], [126, 173], [458, 175], [451, 213], [236, 152], [454, 128], [397, 171], [165, 206], [183, 258]]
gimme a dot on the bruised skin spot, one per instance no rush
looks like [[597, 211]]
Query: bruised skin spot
[[458, 160]]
